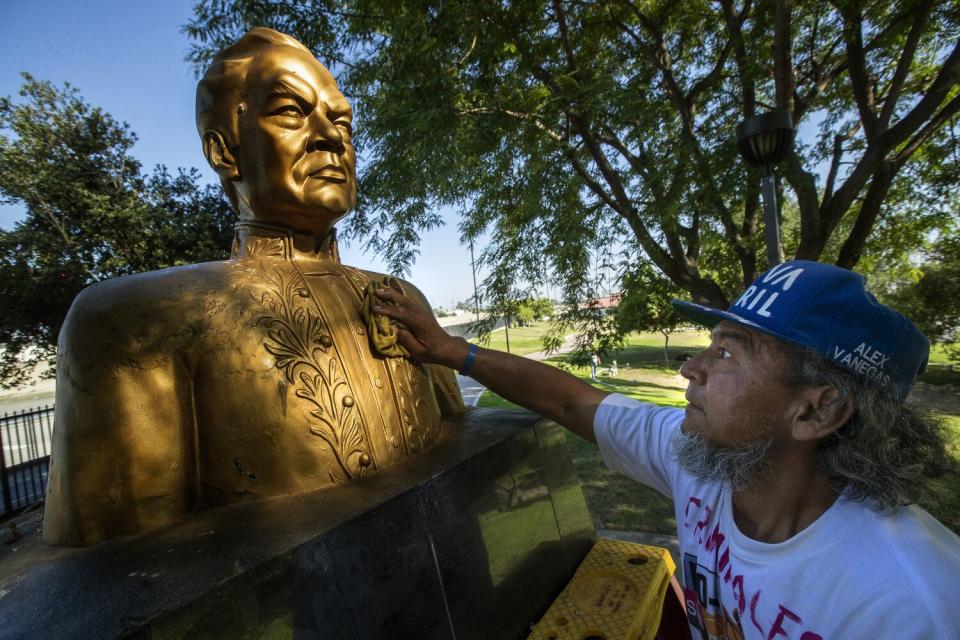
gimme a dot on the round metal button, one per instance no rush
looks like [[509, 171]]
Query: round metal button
[[365, 460], [348, 401], [326, 342]]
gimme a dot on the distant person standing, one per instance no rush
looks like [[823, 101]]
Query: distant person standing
[[614, 369], [594, 363]]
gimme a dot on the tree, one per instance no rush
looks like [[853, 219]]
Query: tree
[[90, 215], [541, 307], [645, 305], [932, 301], [529, 309], [524, 314], [562, 125]]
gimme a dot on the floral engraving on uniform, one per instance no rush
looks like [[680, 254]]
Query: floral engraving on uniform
[[302, 349], [412, 386], [265, 247]]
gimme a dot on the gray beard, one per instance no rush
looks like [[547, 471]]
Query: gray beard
[[740, 466]]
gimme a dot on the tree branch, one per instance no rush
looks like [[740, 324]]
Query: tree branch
[[802, 103], [620, 201], [561, 17], [57, 225], [920, 14], [853, 36], [839, 64], [473, 45], [748, 93], [834, 165], [867, 216], [804, 185], [562, 141], [783, 55], [664, 63], [529, 117], [638, 163], [666, 206], [924, 134], [712, 78], [833, 208], [933, 97]]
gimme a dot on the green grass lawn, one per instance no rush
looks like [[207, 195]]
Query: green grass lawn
[[523, 340], [943, 497], [619, 503], [940, 370]]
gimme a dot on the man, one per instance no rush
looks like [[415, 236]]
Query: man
[[252, 377], [792, 467]]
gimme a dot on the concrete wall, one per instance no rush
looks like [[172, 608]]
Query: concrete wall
[[462, 329]]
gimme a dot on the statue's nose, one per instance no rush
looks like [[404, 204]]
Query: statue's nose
[[324, 135]]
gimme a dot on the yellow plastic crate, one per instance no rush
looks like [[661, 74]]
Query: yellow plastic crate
[[616, 594]]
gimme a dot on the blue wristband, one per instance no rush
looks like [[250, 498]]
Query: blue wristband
[[468, 362]]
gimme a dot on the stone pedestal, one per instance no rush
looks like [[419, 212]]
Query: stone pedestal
[[472, 540]]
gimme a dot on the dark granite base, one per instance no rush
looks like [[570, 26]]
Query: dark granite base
[[473, 540]]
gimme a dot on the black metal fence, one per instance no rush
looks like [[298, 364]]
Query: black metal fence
[[25, 438]]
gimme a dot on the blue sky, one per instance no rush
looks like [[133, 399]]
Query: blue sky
[[128, 58]]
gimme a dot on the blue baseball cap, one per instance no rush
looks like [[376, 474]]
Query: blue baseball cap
[[827, 309]]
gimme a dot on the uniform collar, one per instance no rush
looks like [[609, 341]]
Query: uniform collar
[[260, 239]]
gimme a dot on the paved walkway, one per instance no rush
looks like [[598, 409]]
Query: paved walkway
[[470, 389]]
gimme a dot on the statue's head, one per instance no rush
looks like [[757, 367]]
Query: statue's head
[[277, 131]]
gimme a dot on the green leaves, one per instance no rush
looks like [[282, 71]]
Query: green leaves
[[91, 215], [563, 130]]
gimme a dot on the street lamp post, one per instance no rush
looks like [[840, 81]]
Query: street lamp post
[[763, 141]]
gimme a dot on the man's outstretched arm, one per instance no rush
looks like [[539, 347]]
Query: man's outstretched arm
[[546, 390]]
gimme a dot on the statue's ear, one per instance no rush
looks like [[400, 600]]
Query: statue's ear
[[219, 156]]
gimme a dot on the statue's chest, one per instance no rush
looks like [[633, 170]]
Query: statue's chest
[[306, 387]]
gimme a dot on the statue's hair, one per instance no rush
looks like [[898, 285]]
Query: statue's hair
[[887, 452], [220, 92]]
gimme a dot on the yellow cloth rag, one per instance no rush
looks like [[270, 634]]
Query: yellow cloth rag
[[382, 330]]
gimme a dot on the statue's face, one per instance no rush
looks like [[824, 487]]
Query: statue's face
[[297, 164]]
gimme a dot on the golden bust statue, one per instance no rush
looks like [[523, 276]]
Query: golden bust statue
[[252, 377]]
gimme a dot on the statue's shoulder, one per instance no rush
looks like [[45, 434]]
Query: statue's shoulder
[[160, 286], [143, 303]]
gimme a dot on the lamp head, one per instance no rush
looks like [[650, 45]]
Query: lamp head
[[765, 139]]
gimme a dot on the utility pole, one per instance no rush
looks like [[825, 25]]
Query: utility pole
[[476, 299], [506, 330]]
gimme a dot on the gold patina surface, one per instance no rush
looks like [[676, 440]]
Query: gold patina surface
[[252, 377]]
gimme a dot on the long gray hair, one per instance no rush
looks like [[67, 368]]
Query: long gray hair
[[887, 451]]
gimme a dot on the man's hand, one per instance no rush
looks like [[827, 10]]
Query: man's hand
[[544, 389], [423, 337]]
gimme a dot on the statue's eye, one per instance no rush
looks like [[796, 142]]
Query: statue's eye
[[289, 110]]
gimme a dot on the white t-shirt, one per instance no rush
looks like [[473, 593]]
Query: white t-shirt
[[853, 573]]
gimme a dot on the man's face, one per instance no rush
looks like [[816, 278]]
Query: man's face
[[737, 394], [297, 164]]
